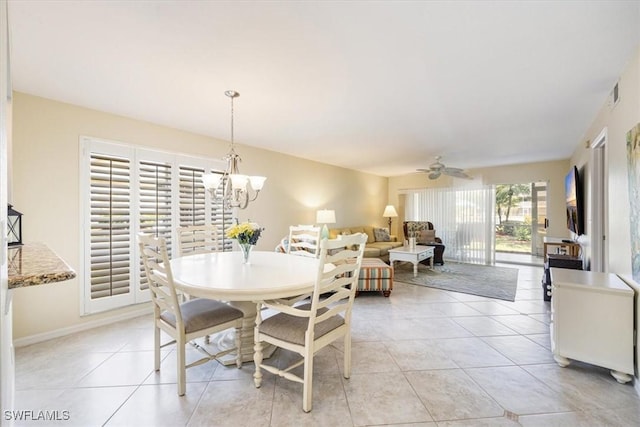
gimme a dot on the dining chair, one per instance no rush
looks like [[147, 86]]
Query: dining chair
[[304, 240], [307, 328], [183, 321], [196, 239]]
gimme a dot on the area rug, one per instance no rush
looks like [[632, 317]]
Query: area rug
[[483, 280]]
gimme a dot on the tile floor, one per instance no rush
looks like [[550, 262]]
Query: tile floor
[[422, 357]]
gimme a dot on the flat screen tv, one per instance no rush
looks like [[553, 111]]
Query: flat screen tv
[[573, 191]]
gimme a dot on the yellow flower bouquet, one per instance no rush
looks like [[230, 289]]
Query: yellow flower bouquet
[[247, 233]]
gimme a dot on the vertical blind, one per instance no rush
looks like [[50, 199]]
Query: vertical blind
[[129, 190], [463, 218]]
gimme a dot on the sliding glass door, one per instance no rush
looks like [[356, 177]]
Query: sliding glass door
[[463, 218], [538, 217]]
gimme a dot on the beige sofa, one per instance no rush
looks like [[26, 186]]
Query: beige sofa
[[373, 248]]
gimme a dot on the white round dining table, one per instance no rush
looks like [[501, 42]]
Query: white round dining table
[[223, 276]]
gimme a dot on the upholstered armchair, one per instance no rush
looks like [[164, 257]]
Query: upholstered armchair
[[417, 229]]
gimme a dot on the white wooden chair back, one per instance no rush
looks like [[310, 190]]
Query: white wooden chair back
[[295, 327], [186, 321], [155, 259], [197, 239], [340, 282], [304, 240]]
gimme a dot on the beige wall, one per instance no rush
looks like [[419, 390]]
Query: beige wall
[[552, 172], [617, 120], [46, 191]]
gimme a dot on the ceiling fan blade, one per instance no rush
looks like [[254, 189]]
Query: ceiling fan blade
[[452, 170], [456, 173], [436, 169]]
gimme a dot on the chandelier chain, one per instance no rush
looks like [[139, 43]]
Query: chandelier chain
[[232, 120]]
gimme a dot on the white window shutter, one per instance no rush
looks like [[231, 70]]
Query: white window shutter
[[127, 190], [110, 203]]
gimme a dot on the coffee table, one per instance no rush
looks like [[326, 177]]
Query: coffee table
[[413, 255]]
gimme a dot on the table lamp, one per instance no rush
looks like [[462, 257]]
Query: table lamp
[[325, 216], [390, 212]]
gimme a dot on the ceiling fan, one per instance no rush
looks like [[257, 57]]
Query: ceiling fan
[[436, 169]]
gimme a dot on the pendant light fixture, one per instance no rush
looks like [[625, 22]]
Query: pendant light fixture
[[237, 189]]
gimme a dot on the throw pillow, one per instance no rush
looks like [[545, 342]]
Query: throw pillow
[[348, 233], [382, 235], [426, 236]]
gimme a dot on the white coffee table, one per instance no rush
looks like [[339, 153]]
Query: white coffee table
[[413, 255]]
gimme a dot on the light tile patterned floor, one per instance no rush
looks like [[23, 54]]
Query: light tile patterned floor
[[423, 357]]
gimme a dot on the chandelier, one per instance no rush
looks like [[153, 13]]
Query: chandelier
[[237, 189]]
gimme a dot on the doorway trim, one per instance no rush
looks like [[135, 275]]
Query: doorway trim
[[598, 206]]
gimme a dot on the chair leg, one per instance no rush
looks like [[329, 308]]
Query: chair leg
[[156, 347], [347, 354], [257, 360], [182, 370], [238, 347], [307, 386]]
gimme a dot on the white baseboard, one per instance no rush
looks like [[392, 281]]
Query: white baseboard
[[45, 336]]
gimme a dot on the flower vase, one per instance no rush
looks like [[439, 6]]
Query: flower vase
[[246, 251]]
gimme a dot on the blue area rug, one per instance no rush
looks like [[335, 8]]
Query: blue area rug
[[483, 280]]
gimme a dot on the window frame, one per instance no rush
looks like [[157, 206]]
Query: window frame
[[135, 155]]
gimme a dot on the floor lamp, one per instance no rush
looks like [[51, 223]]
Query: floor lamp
[[390, 212]]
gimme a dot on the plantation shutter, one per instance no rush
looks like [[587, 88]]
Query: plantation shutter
[[110, 245], [129, 190], [192, 197], [154, 204], [222, 218], [194, 209]]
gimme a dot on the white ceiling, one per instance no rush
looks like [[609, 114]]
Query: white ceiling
[[381, 87]]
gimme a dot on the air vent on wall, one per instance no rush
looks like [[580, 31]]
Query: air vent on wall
[[614, 96]]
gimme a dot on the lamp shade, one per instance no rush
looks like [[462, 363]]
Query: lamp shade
[[238, 181], [326, 216], [390, 212], [211, 181], [257, 182]]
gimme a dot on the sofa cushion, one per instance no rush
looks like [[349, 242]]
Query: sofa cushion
[[373, 249], [383, 247], [412, 228], [381, 235], [368, 230], [426, 236], [335, 232]]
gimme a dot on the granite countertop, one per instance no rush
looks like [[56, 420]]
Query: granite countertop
[[35, 264]]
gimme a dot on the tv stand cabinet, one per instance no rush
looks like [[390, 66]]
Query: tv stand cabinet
[[592, 321], [569, 248], [558, 261]]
